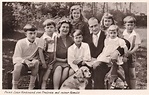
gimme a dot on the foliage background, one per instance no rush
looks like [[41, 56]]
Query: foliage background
[[16, 14]]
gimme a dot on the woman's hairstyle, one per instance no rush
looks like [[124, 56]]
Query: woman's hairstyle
[[107, 16], [64, 20], [77, 7]]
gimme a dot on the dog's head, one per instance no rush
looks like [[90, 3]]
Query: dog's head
[[82, 73]]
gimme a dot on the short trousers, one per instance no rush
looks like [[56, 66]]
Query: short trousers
[[49, 57], [25, 69]]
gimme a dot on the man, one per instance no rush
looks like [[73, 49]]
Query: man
[[96, 44]]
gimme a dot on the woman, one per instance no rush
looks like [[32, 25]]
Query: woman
[[61, 67], [78, 21]]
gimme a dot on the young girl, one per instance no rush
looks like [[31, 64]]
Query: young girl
[[78, 21], [111, 44], [106, 21]]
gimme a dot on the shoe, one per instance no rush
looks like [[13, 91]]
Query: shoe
[[113, 85], [126, 86]]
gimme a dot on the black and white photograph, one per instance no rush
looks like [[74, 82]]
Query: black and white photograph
[[74, 45]]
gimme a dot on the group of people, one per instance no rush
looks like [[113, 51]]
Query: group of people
[[71, 43]]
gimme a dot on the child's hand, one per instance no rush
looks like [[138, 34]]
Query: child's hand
[[44, 66], [125, 59], [95, 65], [83, 63], [50, 41], [128, 53], [76, 61]]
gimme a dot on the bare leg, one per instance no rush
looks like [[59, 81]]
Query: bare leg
[[34, 72], [57, 77], [65, 74], [120, 75], [16, 75], [45, 78], [132, 75]]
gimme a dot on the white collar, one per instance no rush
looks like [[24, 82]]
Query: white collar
[[28, 43], [74, 45], [131, 34], [46, 36], [113, 39], [98, 34]]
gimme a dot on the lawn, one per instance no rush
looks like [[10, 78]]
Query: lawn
[[8, 45]]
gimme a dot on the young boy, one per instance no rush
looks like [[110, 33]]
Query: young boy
[[24, 56], [79, 52], [135, 41], [47, 49]]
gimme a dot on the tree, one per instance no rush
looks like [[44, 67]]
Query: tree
[[8, 19]]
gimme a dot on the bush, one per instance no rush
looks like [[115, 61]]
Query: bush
[[9, 22]]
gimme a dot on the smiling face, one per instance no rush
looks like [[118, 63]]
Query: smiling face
[[76, 14], [64, 29], [31, 35], [107, 22], [94, 26]]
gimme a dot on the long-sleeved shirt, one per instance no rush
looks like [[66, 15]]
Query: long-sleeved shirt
[[75, 53], [25, 50]]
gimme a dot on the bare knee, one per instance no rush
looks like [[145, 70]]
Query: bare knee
[[18, 67], [58, 69], [36, 63], [66, 69]]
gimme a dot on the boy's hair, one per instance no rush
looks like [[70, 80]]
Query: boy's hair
[[77, 32], [129, 19], [48, 22], [29, 27]]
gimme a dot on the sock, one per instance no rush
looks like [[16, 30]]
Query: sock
[[132, 83], [14, 84]]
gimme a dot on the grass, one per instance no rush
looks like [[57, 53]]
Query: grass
[[8, 46]]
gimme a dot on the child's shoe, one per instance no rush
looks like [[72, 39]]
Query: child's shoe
[[125, 85], [113, 85]]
